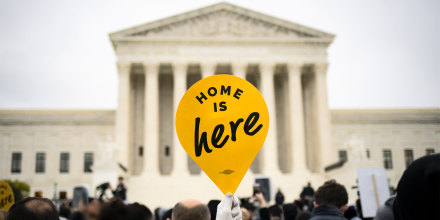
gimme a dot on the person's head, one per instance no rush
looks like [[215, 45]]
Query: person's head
[[212, 205], [279, 198], [332, 194], [120, 180], [299, 204], [418, 191], [350, 212], [290, 211], [191, 210], [245, 214], [114, 209], [33, 208], [167, 215], [304, 215], [137, 211], [250, 207], [93, 208], [275, 212]]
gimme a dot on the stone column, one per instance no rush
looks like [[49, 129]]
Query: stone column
[[123, 114], [208, 69], [151, 106], [327, 154], [239, 69], [180, 156], [270, 158], [297, 118]]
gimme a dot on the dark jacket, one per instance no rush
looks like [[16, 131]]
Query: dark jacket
[[120, 192], [324, 212], [385, 211]]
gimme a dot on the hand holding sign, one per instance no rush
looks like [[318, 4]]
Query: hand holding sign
[[222, 122]]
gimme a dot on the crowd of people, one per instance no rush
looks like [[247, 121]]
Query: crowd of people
[[417, 197]]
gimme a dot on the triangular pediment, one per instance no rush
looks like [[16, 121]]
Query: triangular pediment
[[222, 20]]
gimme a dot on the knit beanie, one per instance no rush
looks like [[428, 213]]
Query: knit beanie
[[418, 191]]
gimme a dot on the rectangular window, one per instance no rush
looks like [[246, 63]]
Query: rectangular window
[[16, 163], [387, 159], [368, 154], [409, 157], [64, 162], [342, 155], [430, 151], [88, 162], [40, 165]]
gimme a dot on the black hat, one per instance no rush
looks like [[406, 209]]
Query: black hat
[[418, 191]]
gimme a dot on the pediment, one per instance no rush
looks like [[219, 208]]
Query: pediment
[[222, 20]]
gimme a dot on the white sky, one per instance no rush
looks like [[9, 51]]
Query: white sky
[[57, 54]]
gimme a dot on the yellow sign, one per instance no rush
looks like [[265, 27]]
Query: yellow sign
[[6, 196], [222, 122]]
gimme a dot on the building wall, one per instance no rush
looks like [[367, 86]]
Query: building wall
[[397, 130], [78, 132], [53, 132]]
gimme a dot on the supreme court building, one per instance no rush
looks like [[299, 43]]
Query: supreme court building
[[158, 61]]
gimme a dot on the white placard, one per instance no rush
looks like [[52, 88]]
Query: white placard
[[373, 189]]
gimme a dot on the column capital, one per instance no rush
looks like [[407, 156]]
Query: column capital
[[123, 66], [151, 67], [320, 68], [208, 68], [179, 67], [239, 69], [239, 65], [294, 67], [267, 67]]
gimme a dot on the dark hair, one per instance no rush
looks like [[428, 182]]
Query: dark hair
[[212, 205], [275, 211], [197, 212], [167, 214], [33, 208], [290, 211], [114, 209], [350, 212], [299, 204], [137, 211], [304, 215], [121, 178], [332, 194]]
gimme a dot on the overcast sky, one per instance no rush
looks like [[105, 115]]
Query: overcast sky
[[57, 54]]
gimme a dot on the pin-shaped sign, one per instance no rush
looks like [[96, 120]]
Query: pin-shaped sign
[[222, 122], [6, 196]]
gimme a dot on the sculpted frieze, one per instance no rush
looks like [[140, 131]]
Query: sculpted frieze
[[221, 24]]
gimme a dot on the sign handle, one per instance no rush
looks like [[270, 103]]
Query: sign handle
[[376, 195]]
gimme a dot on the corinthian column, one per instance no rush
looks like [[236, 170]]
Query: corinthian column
[[123, 114], [328, 155], [151, 165], [270, 159], [297, 118], [180, 156]]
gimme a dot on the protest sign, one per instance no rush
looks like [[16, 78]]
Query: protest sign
[[222, 122], [373, 189], [6, 196]]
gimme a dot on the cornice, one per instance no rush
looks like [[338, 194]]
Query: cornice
[[56, 117], [386, 116]]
